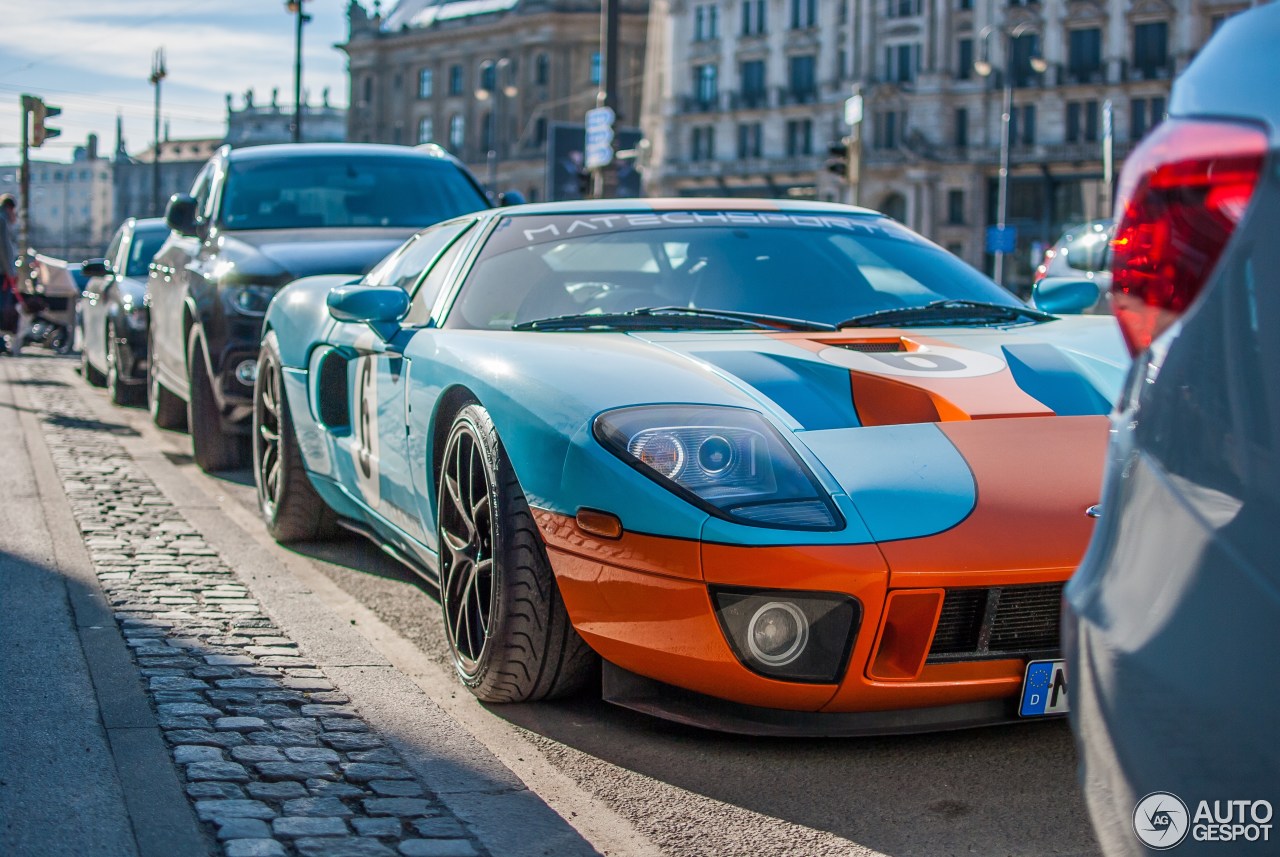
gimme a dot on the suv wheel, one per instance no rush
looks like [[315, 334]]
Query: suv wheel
[[212, 448]]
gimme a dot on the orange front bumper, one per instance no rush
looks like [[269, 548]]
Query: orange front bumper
[[643, 604]]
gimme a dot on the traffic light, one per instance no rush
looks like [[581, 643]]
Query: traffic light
[[39, 113], [838, 163]]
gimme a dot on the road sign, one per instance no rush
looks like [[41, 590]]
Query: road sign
[[599, 126], [1001, 239]]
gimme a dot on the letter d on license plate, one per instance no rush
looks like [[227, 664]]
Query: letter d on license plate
[[1044, 690]]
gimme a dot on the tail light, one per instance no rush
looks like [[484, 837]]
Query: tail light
[[1181, 194]]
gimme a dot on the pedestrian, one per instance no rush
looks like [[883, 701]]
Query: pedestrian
[[8, 267]]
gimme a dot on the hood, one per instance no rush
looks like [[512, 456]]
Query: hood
[[281, 255]]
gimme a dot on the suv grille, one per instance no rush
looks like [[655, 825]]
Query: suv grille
[[999, 622]]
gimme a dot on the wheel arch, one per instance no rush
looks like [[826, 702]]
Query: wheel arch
[[451, 402]]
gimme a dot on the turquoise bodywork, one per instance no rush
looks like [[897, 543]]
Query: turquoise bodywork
[[543, 391]]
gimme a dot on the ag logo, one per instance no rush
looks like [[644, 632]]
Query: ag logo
[[1161, 820]]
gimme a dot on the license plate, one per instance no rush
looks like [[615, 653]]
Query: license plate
[[1044, 690]]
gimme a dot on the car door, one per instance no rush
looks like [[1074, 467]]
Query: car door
[[372, 457]]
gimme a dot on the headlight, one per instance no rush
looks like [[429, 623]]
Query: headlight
[[729, 461], [249, 300]]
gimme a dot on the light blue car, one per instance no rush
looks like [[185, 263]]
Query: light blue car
[[778, 468]]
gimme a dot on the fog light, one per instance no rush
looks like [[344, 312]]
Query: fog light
[[796, 636], [247, 372], [777, 633]]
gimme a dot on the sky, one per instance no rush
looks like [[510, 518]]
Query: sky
[[93, 58]]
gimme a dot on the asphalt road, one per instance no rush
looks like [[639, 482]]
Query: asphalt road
[[631, 784]]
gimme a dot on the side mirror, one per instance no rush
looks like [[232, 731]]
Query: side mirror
[[510, 197], [380, 307], [181, 214], [95, 268], [1065, 295]]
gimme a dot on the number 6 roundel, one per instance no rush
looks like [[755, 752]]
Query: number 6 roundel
[[929, 361]]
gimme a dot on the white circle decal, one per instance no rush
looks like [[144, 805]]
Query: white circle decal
[[928, 361]]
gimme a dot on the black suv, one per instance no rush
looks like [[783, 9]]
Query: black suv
[[256, 219]]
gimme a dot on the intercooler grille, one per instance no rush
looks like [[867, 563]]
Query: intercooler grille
[[873, 346], [998, 622]]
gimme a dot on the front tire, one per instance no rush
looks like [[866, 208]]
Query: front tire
[[167, 410], [213, 449], [290, 506], [505, 620], [122, 393]]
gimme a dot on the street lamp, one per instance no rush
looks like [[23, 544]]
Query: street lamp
[[492, 86], [294, 7], [158, 73], [984, 68]]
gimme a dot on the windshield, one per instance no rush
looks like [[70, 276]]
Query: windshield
[[816, 267], [145, 245], [352, 190]]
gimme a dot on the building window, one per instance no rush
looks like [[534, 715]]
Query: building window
[[754, 93], [800, 137], [595, 68], [964, 59], [902, 8], [1145, 114], [1084, 56], [1022, 50], [804, 14], [426, 130], [1082, 121], [964, 5], [962, 127], [750, 140], [955, 207], [706, 22], [1022, 125], [542, 70], [902, 62], [753, 17], [455, 80], [425, 84], [802, 79], [540, 131], [457, 133], [704, 143], [890, 126], [707, 84], [368, 90], [1151, 49]]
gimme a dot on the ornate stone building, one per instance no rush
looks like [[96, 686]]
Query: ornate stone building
[[749, 93], [487, 79]]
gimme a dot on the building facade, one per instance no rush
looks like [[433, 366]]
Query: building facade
[[755, 91], [490, 80], [71, 203], [254, 124]]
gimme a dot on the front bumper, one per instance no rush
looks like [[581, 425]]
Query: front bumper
[[643, 604]]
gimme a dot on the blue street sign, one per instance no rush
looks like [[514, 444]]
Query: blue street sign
[[599, 127], [1001, 240]]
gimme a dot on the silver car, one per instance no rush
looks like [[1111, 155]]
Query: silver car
[[1172, 622]]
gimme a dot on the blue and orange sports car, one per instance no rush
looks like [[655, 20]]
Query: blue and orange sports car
[[779, 468]]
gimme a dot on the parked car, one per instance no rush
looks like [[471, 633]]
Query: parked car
[[257, 218], [1173, 620], [49, 288], [785, 468], [112, 314], [1075, 275]]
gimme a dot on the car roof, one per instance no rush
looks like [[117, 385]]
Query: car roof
[[660, 204], [316, 150]]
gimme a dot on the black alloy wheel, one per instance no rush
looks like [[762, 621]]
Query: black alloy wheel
[[167, 410], [289, 504], [505, 620], [213, 448]]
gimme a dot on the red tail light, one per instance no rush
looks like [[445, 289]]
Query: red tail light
[[1181, 194]]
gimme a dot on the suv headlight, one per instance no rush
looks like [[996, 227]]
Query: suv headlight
[[248, 300], [729, 461]]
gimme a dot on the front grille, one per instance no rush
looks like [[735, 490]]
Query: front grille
[[998, 622]]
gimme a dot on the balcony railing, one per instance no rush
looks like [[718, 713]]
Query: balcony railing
[[787, 96], [749, 99]]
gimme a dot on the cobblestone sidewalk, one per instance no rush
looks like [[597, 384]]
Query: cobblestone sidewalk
[[276, 761]]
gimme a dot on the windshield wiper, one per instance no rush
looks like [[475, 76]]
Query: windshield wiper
[[671, 316], [947, 312]]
